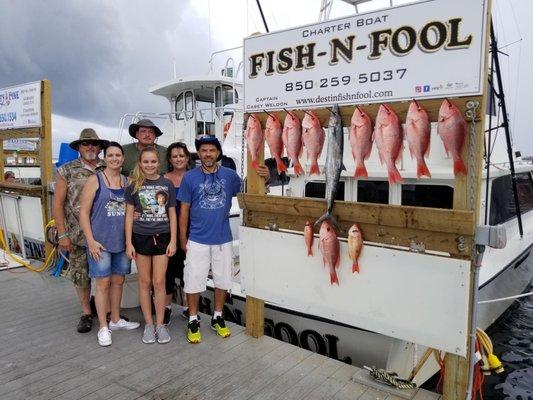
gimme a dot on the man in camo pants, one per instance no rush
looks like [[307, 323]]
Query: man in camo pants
[[71, 178]]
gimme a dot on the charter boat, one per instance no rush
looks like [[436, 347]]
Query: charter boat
[[212, 104]]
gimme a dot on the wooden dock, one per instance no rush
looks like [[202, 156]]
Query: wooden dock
[[43, 357]]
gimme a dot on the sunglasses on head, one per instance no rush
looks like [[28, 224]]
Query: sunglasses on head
[[89, 143]]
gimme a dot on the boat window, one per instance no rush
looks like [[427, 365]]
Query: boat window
[[189, 105], [436, 196], [178, 107], [223, 97], [373, 192], [502, 205], [318, 190]]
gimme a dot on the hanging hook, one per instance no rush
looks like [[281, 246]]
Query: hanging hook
[[270, 115], [288, 112]]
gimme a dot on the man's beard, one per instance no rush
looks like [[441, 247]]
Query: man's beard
[[90, 156]]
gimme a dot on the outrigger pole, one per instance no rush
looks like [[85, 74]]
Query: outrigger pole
[[501, 97], [262, 15]]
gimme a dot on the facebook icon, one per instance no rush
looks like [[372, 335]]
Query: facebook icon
[[426, 88]]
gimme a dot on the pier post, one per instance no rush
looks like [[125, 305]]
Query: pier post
[[255, 308]]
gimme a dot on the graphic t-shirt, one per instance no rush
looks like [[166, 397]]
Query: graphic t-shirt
[[152, 200], [209, 196]]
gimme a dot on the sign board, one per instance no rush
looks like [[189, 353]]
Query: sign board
[[20, 106], [410, 301], [424, 50], [20, 144]]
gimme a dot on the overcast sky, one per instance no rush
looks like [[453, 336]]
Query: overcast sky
[[102, 56]]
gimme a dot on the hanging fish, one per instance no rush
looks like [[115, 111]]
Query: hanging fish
[[309, 237], [255, 139], [452, 128], [418, 133], [330, 247], [334, 165], [355, 244], [360, 140], [273, 131], [388, 136], [292, 139], [313, 137]]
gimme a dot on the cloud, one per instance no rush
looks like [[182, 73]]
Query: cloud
[[100, 56]]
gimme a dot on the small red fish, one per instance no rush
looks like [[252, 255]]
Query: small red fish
[[292, 139], [452, 129], [254, 138], [313, 137], [355, 244], [309, 237], [418, 133], [361, 140], [388, 136], [330, 247], [273, 131]]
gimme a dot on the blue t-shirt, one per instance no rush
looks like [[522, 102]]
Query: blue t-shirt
[[209, 196]]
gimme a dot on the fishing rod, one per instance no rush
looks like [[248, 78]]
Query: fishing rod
[[262, 15], [500, 95]]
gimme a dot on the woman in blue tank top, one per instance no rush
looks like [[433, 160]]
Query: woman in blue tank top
[[102, 213], [179, 161]]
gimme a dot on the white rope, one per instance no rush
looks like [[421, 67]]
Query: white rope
[[505, 298]]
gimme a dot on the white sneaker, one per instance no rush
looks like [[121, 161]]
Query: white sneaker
[[123, 324], [104, 336]]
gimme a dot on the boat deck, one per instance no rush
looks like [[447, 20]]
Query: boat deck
[[43, 357]]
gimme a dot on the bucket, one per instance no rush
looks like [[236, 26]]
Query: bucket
[[66, 154]]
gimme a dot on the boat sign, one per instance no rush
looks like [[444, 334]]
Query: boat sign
[[20, 106], [429, 49]]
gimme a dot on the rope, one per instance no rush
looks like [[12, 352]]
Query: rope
[[505, 298], [47, 264], [390, 378]]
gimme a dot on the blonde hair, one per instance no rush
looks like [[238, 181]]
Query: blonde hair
[[138, 177]]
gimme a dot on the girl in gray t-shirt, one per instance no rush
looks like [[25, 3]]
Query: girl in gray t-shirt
[[151, 238]]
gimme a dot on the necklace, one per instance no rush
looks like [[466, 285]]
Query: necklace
[[109, 182]]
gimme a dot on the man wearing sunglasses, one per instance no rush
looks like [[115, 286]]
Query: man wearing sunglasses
[[146, 133], [70, 179], [205, 195]]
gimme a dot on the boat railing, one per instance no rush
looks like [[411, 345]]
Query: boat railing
[[134, 117]]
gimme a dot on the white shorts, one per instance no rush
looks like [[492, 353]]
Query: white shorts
[[202, 257]]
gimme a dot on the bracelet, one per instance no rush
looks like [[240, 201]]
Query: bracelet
[[63, 235]]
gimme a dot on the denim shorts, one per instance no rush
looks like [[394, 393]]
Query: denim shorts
[[109, 263]]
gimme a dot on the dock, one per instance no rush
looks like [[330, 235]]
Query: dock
[[43, 357]]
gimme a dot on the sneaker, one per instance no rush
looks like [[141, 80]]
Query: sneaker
[[193, 332], [185, 314], [86, 323], [149, 334], [166, 317], [219, 326], [123, 324], [104, 337], [162, 334]]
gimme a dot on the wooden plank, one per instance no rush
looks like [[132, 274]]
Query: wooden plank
[[426, 395], [466, 197], [333, 384], [263, 382], [400, 107], [292, 377], [20, 133], [431, 219], [436, 230], [318, 377], [255, 317], [21, 189], [350, 391], [45, 153]]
